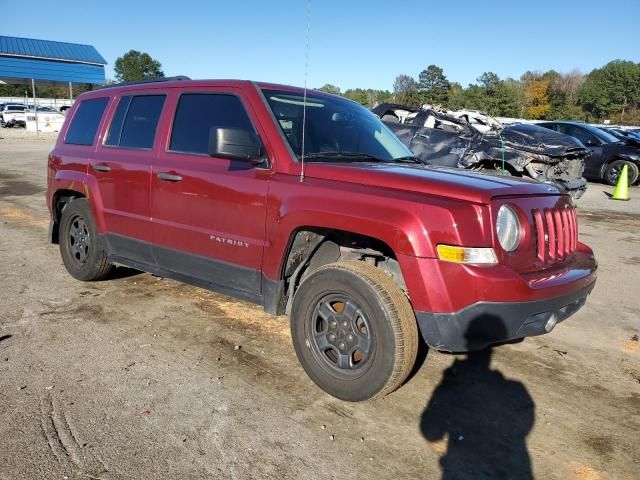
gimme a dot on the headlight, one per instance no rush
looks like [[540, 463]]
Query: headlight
[[508, 228]]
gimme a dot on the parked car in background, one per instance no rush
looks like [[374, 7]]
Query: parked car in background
[[473, 140], [10, 111], [364, 245], [608, 153], [627, 136]]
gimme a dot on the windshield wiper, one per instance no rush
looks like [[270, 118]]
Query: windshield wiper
[[365, 157], [410, 159]]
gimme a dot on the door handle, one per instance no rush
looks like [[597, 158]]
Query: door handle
[[102, 168], [169, 177]]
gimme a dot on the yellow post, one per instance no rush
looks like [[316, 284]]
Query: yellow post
[[622, 188]]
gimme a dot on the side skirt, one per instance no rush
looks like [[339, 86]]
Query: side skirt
[[140, 255]]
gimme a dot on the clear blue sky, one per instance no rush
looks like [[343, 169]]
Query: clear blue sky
[[353, 43]]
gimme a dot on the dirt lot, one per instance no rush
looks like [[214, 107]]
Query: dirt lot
[[142, 377]]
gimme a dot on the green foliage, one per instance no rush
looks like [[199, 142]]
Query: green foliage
[[328, 88], [433, 86], [611, 91], [368, 97], [135, 65], [492, 95]]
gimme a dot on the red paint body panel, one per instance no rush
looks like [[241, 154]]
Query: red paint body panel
[[256, 211]]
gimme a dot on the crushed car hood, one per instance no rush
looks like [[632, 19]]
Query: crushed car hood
[[536, 139], [473, 140], [430, 180]]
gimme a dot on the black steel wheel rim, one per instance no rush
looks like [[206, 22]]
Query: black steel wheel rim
[[79, 239], [340, 334]]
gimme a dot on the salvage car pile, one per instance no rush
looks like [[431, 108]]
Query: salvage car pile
[[473, 140]]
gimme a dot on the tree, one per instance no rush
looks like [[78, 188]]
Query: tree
[[135, 65], [563, 94], [368, 97], [405, 90], [536, 99], [433, 86], [611, 90], [328, 88]]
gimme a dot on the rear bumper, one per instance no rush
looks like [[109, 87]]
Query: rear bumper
[[486, 323]]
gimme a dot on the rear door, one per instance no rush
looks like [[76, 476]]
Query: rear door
[[121, 167], [209, 213]]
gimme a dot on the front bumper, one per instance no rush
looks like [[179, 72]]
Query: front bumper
[[486, 323]]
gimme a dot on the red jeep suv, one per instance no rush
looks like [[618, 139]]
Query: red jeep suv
[[307, 204]]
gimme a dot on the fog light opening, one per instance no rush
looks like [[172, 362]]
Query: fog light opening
[[551, 322]]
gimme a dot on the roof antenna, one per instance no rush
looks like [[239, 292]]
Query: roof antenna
[[306, 75]]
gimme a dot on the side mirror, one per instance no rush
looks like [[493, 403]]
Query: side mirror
[[235, 144]]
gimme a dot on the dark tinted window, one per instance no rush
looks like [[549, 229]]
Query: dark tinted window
[[141, 121], [118, 119], [84, 124], [585, 137], [197, 113]]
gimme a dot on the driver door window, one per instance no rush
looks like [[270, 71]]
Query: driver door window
[[585, 137]]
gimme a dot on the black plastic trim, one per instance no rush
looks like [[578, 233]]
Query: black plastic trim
[[239, 282], [486, 323]]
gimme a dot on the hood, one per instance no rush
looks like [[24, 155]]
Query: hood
[[541, 140], [623, 149], [437, 181]]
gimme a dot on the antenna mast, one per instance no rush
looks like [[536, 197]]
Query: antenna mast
[[306, 75]]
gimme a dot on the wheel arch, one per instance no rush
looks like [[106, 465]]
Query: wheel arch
[[309, 248], [59, 200]]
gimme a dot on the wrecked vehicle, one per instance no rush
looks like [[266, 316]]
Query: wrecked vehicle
[[473, 140]]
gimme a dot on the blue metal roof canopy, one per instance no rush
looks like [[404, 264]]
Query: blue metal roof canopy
[[23, 59]]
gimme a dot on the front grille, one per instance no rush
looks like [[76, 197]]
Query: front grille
[[556, 232]]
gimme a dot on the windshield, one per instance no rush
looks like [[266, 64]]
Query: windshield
[[336, 129]]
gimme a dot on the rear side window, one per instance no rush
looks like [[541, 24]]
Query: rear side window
[[197, 113], [135, 121], [84, 124]]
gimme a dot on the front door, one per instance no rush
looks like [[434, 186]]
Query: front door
[[208, 213], [594, 161]]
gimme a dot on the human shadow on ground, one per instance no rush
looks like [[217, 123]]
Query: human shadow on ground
[[484, 416]]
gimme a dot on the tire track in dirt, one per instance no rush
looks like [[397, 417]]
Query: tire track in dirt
[[64, 442]]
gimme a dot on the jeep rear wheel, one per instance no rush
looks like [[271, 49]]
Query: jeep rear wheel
[[354, 331], [81, 247]]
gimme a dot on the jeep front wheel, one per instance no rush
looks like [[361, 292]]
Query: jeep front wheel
[[354, 331], [81, 247]]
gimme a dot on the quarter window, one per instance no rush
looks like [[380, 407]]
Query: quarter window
[[135, 121], [84, 124], [198, 113]]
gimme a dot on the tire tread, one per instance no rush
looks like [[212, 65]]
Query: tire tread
[[402, 317]]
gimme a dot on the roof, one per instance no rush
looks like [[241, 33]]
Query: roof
[[49, 50]]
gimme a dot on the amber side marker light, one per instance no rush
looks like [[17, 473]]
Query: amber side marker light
[[451, 253]]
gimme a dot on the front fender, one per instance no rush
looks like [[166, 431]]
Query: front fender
[[411, 224]]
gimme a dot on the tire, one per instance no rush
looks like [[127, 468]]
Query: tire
[[612, 172], [81, 246], [371, 354]]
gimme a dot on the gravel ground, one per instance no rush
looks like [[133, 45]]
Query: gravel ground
[[143, 377]]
